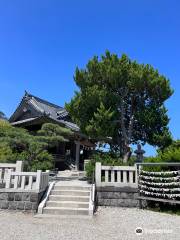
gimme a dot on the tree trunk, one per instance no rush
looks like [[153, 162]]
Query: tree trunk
[[127, 153], [127, 131], [126, 156]]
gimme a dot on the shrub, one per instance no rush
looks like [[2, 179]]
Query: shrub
[[169, 154], [43, 161], [6, 153], [19, 144]]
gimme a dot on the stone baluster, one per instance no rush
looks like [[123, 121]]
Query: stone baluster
[[8, 179]]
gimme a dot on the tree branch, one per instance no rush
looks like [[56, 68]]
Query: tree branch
[[122, 112], [131, 121]]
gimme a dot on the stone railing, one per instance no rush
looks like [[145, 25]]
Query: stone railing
[[27, 181], [4, 167], [44, 180], [116, 176]]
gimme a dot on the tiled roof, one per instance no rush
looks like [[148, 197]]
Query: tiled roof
[[24, 121], [55, 112]]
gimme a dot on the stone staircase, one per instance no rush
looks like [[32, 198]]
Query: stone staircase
[[69, 199]]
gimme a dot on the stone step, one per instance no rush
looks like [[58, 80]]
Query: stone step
[[68, 198], [71, 192], [58, 187], [69, 204], [65, 211]]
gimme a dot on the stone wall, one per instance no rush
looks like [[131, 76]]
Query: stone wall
[[22, 201], [117, 197]]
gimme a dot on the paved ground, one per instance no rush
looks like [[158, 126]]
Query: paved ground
[[108, 223]]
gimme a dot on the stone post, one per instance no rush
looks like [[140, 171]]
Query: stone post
[[98, 174], [38, 180], [48, 171], [8, 179], [19, 166], [136, 175]]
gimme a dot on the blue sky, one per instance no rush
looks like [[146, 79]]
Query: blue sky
[[42, 42]]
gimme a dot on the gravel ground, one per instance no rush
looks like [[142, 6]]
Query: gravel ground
[[108, 223]]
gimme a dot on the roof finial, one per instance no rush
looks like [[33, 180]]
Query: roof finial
[[26, 93]]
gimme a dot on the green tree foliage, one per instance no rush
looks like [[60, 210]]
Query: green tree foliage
[[122, 100], [169, 154], [19, 144], [98, 124], [52, 134]]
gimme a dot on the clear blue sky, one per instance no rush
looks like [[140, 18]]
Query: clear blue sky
[[41, 43]]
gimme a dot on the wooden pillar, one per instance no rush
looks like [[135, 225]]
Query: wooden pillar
[[77, 154]]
